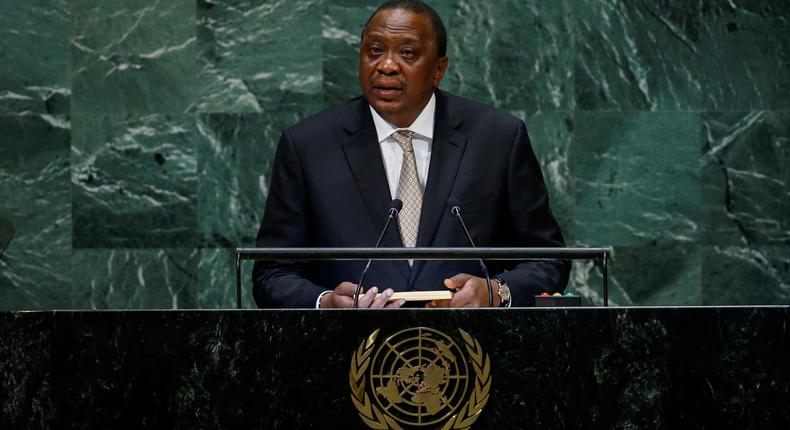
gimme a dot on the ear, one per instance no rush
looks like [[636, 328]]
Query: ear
[[441, 68]]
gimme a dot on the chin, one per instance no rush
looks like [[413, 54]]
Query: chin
[[384, 106]]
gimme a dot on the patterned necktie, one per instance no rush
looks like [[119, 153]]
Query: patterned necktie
[[409, 190]]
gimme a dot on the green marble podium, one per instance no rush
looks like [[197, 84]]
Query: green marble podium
[[704, 367]]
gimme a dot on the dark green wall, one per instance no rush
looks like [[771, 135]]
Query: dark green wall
[[136, 136]]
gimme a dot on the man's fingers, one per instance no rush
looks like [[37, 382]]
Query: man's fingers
[[381, 301], [457, 281], [395, 304], [366, 299], [460, 277], [462, 297], [343, 301], [346, 289], [464, 291], [343, 295], [470, 290]]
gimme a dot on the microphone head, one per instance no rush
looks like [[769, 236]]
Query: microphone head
[[454, 205], [396, 205]]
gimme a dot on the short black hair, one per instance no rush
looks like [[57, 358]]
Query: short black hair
[[420, 8]]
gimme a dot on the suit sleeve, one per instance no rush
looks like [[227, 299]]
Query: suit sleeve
[[286, 223], [532, 224]]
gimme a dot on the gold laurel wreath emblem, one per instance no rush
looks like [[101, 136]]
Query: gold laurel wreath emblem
[[375, 419]]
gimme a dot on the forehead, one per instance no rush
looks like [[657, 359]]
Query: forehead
[[401, 23]]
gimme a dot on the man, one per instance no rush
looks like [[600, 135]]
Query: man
[[336, 173]]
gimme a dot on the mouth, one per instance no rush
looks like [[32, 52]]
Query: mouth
[[387, 90]]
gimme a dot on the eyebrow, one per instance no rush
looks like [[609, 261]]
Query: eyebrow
[[407, 37]]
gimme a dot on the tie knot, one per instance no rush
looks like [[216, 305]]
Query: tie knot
[[403, 137]]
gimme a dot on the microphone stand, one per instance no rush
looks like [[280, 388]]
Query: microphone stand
[[392, 214], [456, 210]]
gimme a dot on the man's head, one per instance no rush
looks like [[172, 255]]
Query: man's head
[[402, 58]]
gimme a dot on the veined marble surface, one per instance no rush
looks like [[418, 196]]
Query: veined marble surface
[[679, 55], [134, 181], [144, 132], [35, 196], [133, 57], [35, 65]]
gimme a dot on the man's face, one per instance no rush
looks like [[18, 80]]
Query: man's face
[[399, 65]]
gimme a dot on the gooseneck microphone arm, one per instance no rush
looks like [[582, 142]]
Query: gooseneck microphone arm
[[395, 208], [455, 209]]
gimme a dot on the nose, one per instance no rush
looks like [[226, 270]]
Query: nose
[[387, 65]]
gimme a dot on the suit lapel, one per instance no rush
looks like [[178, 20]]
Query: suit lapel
[[447, 150], [364, 159]]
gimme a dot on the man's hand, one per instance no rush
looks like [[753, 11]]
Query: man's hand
[[470, 292], [343, 297]]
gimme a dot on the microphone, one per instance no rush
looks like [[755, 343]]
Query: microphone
[[455, 209], [394, 209]]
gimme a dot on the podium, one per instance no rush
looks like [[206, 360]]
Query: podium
[[592, 368]]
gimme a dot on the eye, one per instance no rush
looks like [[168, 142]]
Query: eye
[[408, 53], [375, 50]]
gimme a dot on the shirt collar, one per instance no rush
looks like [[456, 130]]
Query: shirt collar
[[423, 125]]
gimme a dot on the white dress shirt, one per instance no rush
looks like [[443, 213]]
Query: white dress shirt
[[392, 153]]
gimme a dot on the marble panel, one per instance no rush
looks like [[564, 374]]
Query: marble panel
[[216, 288], [636, 178], [134, 279], [137, 57], [746, 178], [673, 54], [35, 60], [744, 57], [235, 153], [551, 135], [637, 55], [660, 275], [134, 181], [35, 197], [514, 55], [259, 56], [741, 275]]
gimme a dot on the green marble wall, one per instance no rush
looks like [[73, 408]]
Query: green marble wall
[[136, 137]]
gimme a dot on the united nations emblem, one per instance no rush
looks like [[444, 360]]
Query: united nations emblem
[[420, 377]]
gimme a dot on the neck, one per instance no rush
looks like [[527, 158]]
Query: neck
[[405, 119], [401, 121]]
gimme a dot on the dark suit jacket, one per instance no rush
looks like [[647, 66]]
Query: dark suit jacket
[[329, 189]]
